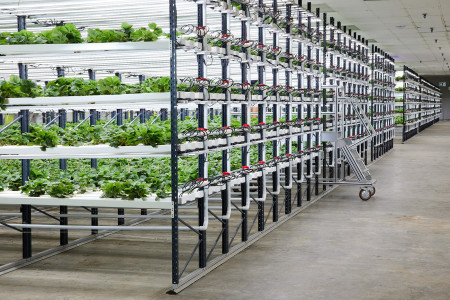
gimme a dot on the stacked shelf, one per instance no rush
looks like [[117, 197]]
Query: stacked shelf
[[382, 101], [418, 103], [252, 88]]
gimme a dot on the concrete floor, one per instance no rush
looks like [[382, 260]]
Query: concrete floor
[[395, 246]]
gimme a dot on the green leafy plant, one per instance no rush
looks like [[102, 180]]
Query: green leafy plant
[[128, 190], [66, 34], [23, 37], [45, 138], [61, 189], [126, 34], [35, 188], [71, 87], [14, 181], [112, 189], [134, 190], [111, 86], [154, 85]]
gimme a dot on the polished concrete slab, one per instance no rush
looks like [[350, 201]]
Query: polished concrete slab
[[394, 246]]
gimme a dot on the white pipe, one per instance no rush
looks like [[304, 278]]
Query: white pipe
[[247, 192], [228, 214], [205, 212], [289, 186], [264, 196], [82, 227], [278, 190]]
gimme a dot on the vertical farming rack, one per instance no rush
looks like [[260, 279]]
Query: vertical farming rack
[[249, 101], [417, 103]]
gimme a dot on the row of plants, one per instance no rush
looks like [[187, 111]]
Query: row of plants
[[64, 86], [152, 134], [69, 34], [117, 178]]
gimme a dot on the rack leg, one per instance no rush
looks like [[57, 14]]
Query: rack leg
[[275, 199], [299, 185], [260, 206], [244, 225], [63, 233], [94, 221], [288, 193], [225, 226], [121, 221], [316, 185], [202, 235], [308, 189], [26, 233]]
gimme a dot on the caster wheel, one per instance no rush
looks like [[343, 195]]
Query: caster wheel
[[372, 190], [364, 194]]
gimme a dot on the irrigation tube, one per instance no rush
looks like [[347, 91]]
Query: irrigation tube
[[264, 190], [228, 214], [101, 216], [82, 227]]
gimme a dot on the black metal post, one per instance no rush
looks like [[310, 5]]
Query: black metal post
[[202, 123], [174, 139], [25, 209], [324, 96], [225, 123], [244, 108], [261, 119], [63, 233], [94, 210], [288, 75], [91, 74], [276, 174]]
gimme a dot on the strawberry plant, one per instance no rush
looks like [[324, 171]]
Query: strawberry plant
[[35, 188], [22, 37], [14, 181], [126, 34], [44, 138], [66, 34], [112, 189], [61, 189], [19, 88], [71, 87], [154, 85], [111, 86]]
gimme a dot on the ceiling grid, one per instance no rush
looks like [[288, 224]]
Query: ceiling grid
[[401, 28]]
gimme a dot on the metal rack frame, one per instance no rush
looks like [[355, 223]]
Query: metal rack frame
[[421, 103], [292, 85]]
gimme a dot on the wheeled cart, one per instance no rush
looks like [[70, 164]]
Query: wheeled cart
[[344, 148]]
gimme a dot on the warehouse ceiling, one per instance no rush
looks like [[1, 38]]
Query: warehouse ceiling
[[414, 32]]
